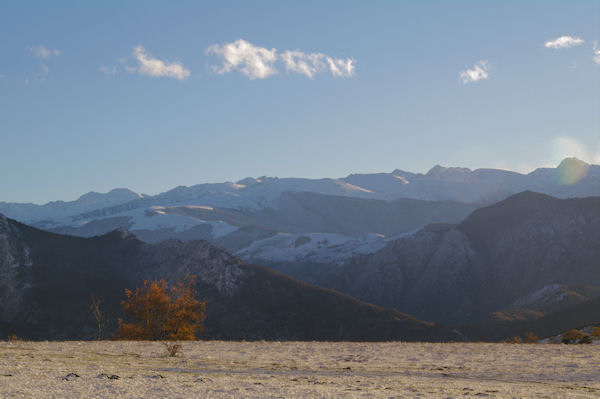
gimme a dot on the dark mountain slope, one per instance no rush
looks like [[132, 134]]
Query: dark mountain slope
[[578, 316], [496, 257], [306, 212], [46, 281]]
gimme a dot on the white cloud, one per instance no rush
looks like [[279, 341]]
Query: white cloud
[[304, 64], [479, 71], [309, 64], [341, 68], [153, 67], [253, 61], [42, 52], [259, 62], [596, 53], [108, 71], [563, 42]]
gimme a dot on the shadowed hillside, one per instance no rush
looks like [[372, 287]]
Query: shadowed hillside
[[47, 279]]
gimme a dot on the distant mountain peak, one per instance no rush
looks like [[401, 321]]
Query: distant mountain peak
[[400, 172], [572, 170], [441, 171], [572, 162], [249, 181], [114, 194]]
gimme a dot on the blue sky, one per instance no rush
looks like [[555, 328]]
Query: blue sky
[[98, 95]]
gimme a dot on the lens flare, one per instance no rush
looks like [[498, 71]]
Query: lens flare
[[571, 169]]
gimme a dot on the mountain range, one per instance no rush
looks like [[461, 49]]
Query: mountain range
[[263, 219], [452, 246], [512, 267]]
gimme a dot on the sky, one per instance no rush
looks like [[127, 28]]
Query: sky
[[150, 95]]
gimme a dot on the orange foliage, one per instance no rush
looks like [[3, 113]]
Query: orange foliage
[[531, 338], [160, 312]]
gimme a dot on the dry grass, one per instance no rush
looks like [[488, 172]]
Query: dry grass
[[297, 369]]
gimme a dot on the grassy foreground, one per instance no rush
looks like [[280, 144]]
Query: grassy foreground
[[219, 369]]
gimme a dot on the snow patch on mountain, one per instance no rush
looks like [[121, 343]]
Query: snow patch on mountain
[[57, 210], [160, 217], [325, 248]]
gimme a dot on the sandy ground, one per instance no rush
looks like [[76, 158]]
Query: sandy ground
[[297, 370]]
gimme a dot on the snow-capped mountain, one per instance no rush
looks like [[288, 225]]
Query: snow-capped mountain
[[571, 178], [235, 215], [59, 210]]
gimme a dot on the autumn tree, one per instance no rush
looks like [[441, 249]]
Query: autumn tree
[[158, 311]]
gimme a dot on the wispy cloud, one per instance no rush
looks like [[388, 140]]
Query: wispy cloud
[[153, 67], [259, 62], [341, 68], [253, 61], [563, 42], [41, 75], [310, 64], [479, 72], [42, 52], [108, 71], [596, 53], [304, 64]]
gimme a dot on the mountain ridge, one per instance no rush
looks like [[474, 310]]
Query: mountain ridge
[[49, 278], [327, 186], [496, 256]]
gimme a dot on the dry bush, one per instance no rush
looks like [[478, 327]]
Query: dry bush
[[159, 312], [596, 332], [13, 338], [573, 336], [531, 338], [173, 348], [514, 340]]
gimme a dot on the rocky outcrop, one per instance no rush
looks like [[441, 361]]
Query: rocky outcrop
[[486, 263]]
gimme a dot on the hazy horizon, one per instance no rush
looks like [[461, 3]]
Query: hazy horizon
[[281, 177]]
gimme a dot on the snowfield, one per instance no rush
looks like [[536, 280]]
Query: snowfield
[[216, 369]]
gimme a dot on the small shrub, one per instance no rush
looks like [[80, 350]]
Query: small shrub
[[173, 348], [13, 338], [531, 338], [596, 332], [514, 340], [586, 340], [573, 336]]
